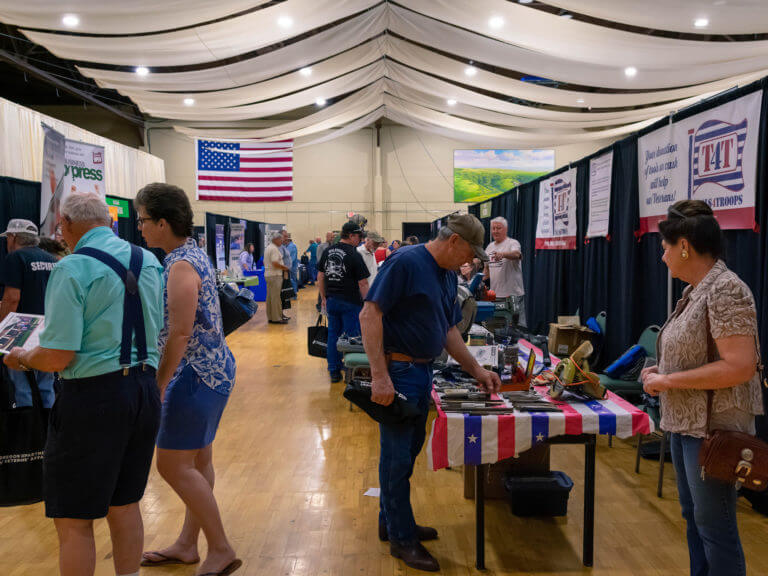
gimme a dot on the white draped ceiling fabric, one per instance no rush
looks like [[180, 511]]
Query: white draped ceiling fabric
[[447, 66]]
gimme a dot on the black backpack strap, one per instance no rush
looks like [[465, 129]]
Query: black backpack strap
[[133, 311]]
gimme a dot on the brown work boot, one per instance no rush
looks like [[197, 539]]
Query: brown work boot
[[423, 533], [415, 556]]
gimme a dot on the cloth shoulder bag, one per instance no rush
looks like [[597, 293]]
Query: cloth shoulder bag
[[730, 456], [317, 338], [23, 432]]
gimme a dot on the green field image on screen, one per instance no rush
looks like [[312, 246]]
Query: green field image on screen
[[480, 184]]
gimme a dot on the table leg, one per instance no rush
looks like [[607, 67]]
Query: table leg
[[589, 501], [480, 473]]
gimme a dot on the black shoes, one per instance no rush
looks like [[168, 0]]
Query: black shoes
[[283, 321], [415, 556], [423, 533], [335, 376]]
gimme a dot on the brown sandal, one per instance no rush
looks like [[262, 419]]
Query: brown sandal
[[164, 560], [231, 567]]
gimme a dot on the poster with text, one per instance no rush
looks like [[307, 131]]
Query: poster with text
[[556, 226], [600, 195], [236, 243], [482, 174], [80, 168], [221, 259], [711, 156], [52, 182]]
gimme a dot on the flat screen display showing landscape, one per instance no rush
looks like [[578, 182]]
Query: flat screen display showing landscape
[[482, 174]]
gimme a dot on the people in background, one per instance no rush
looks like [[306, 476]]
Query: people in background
[[107, 411], [53, 247], [381, 252], [324, 245], [367, 250], [288, 260], [246, 258], [411, 241], [708, 351], [410, 315], [293, 251], [274, 268], [196, 375], [505, 268], [343, 281], [393, 247], [311, 251], [26, 271]]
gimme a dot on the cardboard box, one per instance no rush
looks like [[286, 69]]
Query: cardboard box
[[565, 338]]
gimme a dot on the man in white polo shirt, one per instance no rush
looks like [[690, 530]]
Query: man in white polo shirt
[[367, 250], [505, 267]]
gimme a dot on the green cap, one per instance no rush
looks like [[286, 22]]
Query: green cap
[[470, 229]]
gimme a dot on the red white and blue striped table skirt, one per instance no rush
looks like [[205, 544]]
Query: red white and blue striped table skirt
[[458, 439]]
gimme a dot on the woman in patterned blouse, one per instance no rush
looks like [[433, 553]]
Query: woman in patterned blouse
[[196, 375], [707, 346]]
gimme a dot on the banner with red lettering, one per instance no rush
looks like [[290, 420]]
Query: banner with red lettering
[[711, 156], [556, 226]]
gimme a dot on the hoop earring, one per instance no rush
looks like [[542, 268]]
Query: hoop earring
[[684, 255]]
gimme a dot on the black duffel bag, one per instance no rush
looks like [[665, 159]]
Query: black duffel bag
[[236, 307], [23, 432], [400, 411], [317, 339], [286, 293]]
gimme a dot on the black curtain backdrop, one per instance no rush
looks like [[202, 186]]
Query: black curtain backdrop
[[623, 274], [252, 235], [18, 199]]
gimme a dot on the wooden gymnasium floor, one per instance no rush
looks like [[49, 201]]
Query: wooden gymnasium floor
[[293, 463]]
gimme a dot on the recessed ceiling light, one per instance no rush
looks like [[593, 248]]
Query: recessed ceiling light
[[525, 1], [189, 101], [141, 71], [701, 23], [451, 102], [630, 71], [320, 101], [470, 70], [285, 21], [496, 22], [306, 71], [580, 101], [566, 15], [70, 20]]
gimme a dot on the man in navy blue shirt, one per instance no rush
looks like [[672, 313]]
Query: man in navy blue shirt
[[410, 315]]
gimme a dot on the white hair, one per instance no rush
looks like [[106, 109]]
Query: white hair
[[86, 207], [500, 220], [274, 234]]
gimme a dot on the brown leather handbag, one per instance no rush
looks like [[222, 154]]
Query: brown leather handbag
[[729, 456]]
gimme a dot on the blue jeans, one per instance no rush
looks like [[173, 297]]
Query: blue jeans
[[294, 274], [312, 271], [709, 509], [342, 319], [23, 392], [400, 445]]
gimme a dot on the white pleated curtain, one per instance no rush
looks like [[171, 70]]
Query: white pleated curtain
[[21, 151], [406, 61]]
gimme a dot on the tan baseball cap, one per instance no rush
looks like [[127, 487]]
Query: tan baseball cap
[[470, 229]]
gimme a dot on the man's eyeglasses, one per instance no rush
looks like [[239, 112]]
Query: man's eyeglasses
[[141, 221]]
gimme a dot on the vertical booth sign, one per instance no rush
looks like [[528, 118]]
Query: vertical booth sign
[[711, 156], [556, 226], [221, 261], [600, 195], [52, 182], [236, 242]]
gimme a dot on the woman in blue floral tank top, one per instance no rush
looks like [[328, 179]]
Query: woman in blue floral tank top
[[196, 375]]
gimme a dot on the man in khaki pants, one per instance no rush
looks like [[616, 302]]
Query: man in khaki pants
[[273, 274]]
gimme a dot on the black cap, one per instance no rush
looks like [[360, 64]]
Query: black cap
[[351, 228]]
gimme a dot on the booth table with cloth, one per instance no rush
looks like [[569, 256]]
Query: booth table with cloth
[[460, 439]]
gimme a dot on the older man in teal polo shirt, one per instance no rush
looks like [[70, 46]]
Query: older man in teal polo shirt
[[103, 316]]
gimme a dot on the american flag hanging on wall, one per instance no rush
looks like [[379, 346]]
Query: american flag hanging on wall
[[252, 172]]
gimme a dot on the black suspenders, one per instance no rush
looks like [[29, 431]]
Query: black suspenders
[[133, 311]]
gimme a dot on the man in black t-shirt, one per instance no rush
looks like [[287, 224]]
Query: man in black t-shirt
[[343, 281], [25, 275]]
